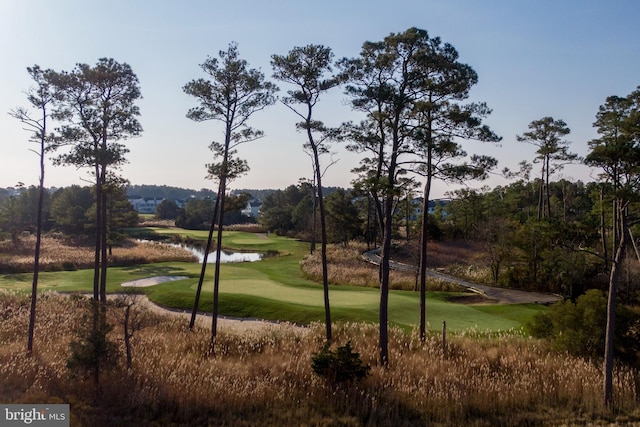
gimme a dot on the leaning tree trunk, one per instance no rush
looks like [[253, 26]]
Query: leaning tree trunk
[[36, 258], [611, 313], [205, 260], [323, 238], [216, 274]]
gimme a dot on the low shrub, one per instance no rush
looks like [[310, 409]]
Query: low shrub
[[341, 365], [579, 328]]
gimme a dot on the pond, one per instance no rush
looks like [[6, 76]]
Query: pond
[[225, 256]]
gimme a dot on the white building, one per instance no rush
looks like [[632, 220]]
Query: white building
[[252, 210], [145, 205]]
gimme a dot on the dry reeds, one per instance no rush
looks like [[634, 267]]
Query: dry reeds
[[59, 253], [246, 228], [346, 266], [263, 377]]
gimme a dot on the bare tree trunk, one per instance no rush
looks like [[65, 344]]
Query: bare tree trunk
[[98, 237], [547, 190], [103, 247], [611, 314], [406, 218], [386, 255], [216, 274], [603, 232], [621, 229], [36, 258], [368, 222], [423, 258], [312, 247], [384, 290], [323, 229], [205, 260], [541, 197], [325, 268]]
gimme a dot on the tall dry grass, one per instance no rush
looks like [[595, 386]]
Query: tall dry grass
[[62, 253], [263, 377], [346, 266]]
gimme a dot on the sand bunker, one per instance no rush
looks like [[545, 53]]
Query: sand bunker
[[150, 281]]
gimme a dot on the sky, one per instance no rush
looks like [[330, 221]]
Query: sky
[[558, 58]]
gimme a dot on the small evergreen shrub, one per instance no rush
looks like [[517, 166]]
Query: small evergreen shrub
[[92, 351], [341, 365]]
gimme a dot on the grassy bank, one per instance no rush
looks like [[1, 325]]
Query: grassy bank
[[263, 377]]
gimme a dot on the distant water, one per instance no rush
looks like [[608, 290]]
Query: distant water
[[225, 257]]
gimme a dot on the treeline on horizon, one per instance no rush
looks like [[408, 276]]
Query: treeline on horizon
[[164, 192]]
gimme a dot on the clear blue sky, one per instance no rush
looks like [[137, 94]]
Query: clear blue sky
[[558, 58]]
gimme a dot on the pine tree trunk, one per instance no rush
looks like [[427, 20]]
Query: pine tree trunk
[[603, 232], [323, 250], [98, 238], [423, 258], [36, 258], [611, 314], [205, 260], [216, 274], [103, 249]]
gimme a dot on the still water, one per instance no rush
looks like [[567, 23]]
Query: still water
[[225, 256]]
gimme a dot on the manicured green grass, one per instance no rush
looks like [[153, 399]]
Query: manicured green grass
[[275, 289]]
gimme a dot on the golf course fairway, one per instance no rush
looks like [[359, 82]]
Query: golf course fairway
[[275, 289]]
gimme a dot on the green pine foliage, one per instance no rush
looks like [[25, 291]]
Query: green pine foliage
[[92, 351], [339, 366], [579, 328]]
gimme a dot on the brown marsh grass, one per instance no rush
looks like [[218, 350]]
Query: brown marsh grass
[[346, 266], [263, 377], [63, 253]]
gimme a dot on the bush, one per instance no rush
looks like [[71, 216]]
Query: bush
[[343, 365], [579, 328], [92, 352]]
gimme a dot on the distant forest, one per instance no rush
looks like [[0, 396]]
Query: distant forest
[[167, 192], [178, 193]]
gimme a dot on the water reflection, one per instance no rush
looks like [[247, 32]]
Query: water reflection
[[232, 257], [225, 257]]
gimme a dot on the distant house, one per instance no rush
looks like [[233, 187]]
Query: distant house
[[431, 209], [252, 210], [442, 203], [145, 205]]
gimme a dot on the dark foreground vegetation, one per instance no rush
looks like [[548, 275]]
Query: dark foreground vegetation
[[263, 376]]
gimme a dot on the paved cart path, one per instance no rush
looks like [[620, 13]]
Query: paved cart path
[[503, 295]]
